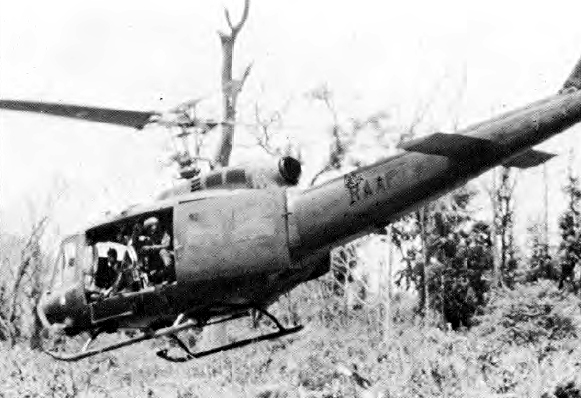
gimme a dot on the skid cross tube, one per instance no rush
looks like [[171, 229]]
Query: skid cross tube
[[282, 331]]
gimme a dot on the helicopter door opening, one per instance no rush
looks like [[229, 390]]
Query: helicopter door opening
[[131, 255]]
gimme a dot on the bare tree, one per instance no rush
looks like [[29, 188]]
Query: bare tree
[[339, 142], [268, 129], [23, 268], [570, 228], [501, 196], [344, 135], [23, 283], [231, 88], [421, 216]]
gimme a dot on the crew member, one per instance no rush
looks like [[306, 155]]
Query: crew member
[[107, 271], [155, 246], [125, 279]]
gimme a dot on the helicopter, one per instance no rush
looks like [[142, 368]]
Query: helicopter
[[242, 237]]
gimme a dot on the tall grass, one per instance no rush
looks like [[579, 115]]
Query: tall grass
[[413, 359]]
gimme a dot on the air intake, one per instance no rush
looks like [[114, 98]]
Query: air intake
[[290, 169]]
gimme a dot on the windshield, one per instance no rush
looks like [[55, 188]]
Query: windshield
[[72, 261], [65, 264]]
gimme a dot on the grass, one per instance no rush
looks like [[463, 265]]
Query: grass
[[412, 360]]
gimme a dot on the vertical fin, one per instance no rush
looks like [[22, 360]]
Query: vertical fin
[[574, 79]]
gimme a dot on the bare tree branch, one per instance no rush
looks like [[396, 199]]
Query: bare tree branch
[[266, 128], [230, 87], [320, 173], [234, 29]]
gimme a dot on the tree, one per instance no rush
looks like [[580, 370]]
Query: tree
[[23, 265], [231, 88], [269, 135], [456, 279], [570, 227], [420, 218], [447, 256], [501, 196], [344, 135], [541, 264]]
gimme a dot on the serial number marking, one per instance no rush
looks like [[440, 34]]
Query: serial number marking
[[361, 188]]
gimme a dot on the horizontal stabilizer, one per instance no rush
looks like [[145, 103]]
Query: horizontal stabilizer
[[530, 158], [451, 145]]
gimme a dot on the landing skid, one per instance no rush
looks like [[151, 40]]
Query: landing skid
[[171, 332], [282, 331], [168, 331]]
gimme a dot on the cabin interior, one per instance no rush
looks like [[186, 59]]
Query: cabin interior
[[120, 260]]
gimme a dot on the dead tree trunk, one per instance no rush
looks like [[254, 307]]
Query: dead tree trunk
[[497, 281], [216, 335], [388, 270], [230, 87], [545, 206], [501, 196], [422, 288]]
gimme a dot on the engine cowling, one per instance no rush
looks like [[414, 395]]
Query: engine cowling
[[286, 171]]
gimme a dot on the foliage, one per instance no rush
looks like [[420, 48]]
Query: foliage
[[457, 279], [343, 359], [540, 263], [565, 390], [503, 224], [537, 315], [23, 268], [345, 134], [457, 251], [570, 227]]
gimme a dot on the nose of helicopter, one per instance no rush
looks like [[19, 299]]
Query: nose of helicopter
[[59, 311], [52, 313]]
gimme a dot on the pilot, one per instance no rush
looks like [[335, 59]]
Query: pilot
[[155, 247], [107, 271]]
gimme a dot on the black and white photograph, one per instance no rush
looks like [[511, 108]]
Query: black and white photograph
[[276, 199]]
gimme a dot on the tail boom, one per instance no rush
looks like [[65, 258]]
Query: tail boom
[[372, 196]]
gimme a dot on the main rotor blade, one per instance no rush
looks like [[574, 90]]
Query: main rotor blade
[[135, 119]]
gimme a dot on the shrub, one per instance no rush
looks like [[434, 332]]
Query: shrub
[[537, 316]]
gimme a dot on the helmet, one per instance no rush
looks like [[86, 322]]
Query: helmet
[[150, 221]]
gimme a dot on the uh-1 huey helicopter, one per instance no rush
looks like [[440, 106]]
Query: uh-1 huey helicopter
[[240, 237]]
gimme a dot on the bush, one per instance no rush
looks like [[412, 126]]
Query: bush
[[537, 317]]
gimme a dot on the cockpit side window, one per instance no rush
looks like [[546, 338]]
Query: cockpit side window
[[57, 273], [69, 252], [66, 264]]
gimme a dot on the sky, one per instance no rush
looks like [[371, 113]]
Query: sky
[[466, 60]]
